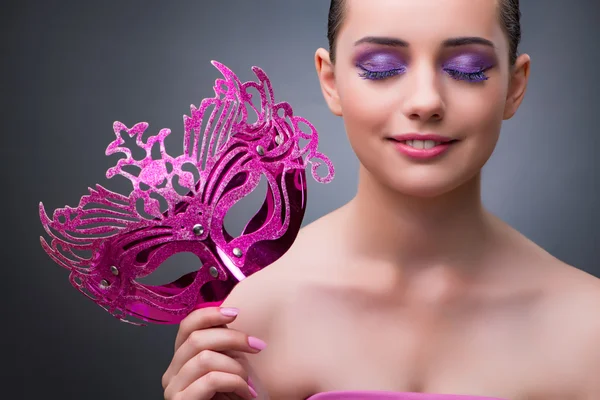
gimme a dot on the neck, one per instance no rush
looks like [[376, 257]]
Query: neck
[[448, 231]]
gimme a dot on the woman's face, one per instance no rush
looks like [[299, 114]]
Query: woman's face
[[426, 67]]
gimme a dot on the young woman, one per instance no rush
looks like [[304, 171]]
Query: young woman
[[412, 287]]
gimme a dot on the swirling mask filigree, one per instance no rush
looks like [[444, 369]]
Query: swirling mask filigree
[[108, 242]]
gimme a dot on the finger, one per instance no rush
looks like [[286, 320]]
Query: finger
[[218, 382], [205, 362], [215, 339], [204, 318]]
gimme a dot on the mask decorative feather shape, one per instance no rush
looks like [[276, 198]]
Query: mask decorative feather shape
[[109, 241]]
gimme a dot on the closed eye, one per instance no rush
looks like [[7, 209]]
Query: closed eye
[[378, 75], [478, 76]]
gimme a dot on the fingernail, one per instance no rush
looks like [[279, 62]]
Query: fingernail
[[256, 343], [229, 312], [253, 392]]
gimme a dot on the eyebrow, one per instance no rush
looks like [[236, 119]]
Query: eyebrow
[[452, 42], [384, 41]]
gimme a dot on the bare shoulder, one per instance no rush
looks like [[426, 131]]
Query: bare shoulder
[[268, 302], [264, 295], [570, 328], [258, 299], [573, 294]]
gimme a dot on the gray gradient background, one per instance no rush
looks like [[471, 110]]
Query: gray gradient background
[[73, 67]]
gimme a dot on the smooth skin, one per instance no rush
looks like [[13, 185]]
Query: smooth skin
[[412, 286]]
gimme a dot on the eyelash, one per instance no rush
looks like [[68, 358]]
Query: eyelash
[[478, 76], [378, 75]]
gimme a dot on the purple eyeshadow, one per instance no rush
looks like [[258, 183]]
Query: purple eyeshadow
[[380, 61], [379, 64], [469, 63]]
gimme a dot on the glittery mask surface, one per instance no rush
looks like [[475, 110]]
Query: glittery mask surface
[[109, 240]]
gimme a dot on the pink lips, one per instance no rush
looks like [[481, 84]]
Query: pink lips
[[443, 143]]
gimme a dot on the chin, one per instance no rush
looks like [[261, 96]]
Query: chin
[[425, 184]]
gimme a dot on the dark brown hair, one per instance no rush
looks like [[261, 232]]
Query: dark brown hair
[[510, 18]]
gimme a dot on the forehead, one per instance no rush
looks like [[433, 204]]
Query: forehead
[[425, 21]]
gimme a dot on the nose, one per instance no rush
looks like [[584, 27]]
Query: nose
[[422, 97]]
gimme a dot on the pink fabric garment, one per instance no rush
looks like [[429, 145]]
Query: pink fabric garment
[[381, 395]]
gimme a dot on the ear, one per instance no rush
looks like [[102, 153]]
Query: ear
[[326, 74], [519, 77]]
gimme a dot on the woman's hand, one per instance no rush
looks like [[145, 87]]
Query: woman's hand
[[209, 360]]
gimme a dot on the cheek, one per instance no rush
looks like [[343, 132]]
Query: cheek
[[366, 107], [477, 114], [480, 110]]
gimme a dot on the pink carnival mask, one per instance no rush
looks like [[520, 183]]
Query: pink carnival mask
[[107, 242]]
